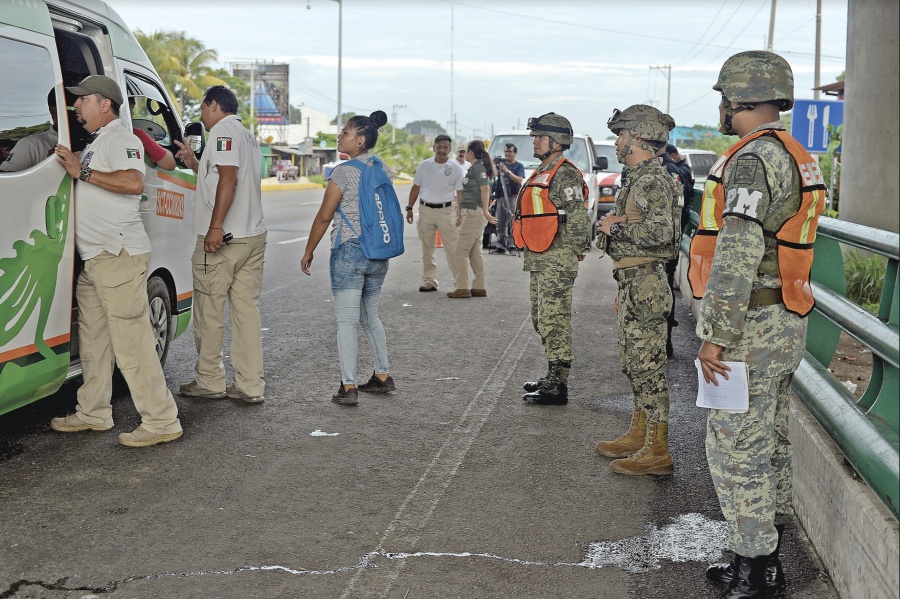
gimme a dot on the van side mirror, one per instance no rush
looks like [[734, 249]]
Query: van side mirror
[[601, 165], [194, 138]]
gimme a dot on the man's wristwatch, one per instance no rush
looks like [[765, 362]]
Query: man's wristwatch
[[85, 173], [614, 229], [409, 208]]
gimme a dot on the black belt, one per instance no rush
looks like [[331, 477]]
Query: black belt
[[768, 296], [445, 205], [622, 274]]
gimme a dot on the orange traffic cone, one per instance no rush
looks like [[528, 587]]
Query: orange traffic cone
[[437, 240]]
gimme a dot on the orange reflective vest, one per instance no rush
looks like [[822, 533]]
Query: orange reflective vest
[[794, 240], [536, 220]]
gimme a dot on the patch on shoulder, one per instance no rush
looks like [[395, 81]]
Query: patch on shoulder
[[745, 170]]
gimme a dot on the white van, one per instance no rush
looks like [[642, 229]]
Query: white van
[[581, 153], [47, 45]]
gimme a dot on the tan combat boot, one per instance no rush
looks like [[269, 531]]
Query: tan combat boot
[[653, 457], [628, 443]]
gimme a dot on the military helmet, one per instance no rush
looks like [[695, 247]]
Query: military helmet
[[554, 126], [642, 121], [757, 76]]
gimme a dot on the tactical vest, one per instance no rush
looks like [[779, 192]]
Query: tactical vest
[[793, 241], [536, 221]]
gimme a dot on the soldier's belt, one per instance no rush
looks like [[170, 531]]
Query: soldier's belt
[[767, 296], [623, 274]]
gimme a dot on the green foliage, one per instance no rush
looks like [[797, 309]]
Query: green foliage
[[346, 117], [425, 127], [865, 279], [19, 132], [330, 139], [318, 179]]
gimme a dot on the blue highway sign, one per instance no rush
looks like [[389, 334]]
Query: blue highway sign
[[810, 120]]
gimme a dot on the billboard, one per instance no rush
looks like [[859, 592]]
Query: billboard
[[270, 84]]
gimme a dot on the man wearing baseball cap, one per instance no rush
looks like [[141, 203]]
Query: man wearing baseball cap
[[113, 311]]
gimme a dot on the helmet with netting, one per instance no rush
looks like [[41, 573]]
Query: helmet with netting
[[757, 76], [554, 126], [642, 121]]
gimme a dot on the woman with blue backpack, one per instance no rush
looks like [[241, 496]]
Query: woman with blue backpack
[[368, 229]]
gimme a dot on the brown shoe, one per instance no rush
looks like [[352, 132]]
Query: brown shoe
[[73, 423], [628, 443], [479, 293], [652, 458], [460, 293], [376, 385], [346, 397]]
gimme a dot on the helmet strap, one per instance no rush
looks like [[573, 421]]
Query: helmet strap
[[730, 111], [549, 152]]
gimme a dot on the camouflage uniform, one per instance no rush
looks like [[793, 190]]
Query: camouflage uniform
[[553, 271], [749, 454], [651, 200]]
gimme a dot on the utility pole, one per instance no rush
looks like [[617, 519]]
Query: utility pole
[[771, 27], [818, 49], [452, 114], [667, 71], [253, 99], [394, 121]]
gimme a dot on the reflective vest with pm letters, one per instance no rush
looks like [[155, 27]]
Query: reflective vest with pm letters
[[536, 220], [794, 240]]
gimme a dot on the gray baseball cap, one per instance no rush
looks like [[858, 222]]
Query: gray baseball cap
[[98, 84]]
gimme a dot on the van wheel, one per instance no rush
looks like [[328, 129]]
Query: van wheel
[[160, 316]]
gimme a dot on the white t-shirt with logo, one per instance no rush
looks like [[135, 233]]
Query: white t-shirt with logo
[[438, 183], [230, 144], [105, 220]]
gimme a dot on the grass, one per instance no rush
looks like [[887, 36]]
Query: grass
[[317, 179], [865, 279]]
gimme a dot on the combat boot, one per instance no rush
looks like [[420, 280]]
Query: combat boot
[[724, 573], [628, 443], [652, 458], [554, 390], [532, 386], [749, 580]]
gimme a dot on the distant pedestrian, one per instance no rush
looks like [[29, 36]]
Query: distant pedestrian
[[681, 172], [229, 200], [113, 312], [471, 217], [511, 174], [554, 228], [356, 281], [750, 263], [640, 235], [438, 188]]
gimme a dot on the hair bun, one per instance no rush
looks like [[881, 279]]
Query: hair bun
[[379, 118]]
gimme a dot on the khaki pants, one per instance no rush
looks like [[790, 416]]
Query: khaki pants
[[114, 328], [234, 273], [468, 248], [430, 221]]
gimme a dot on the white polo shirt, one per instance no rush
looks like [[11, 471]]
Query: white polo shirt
[[105, 220], [230, 144], [438, 183]]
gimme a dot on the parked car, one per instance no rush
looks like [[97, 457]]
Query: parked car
[[581, 153], [329, 166], [609, 180], [288, 170], [700, 162]]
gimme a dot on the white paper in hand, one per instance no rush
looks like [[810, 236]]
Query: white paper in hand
[[732, 395]]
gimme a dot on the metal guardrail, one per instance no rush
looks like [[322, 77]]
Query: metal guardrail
[[866, 430]]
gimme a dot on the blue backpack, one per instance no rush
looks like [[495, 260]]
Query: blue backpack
[[380, 218]]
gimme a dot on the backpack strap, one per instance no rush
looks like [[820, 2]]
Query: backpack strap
[[337, 239]]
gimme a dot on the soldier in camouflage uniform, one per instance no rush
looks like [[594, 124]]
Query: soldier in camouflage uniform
[[744, 316], [640, 235], [553, 271]]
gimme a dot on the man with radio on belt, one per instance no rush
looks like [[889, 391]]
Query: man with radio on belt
[[113, 311], [640, 235], [438, 182]]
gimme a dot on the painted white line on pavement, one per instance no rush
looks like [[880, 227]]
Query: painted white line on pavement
[[293, 240], [419, 505]]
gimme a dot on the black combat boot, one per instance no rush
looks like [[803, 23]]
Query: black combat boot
[[749, 581], [723, 573], [554, 390], [532, 386]]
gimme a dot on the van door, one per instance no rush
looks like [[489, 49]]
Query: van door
[[37, 235]]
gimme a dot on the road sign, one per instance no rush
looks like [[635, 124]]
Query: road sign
[[810, 120]]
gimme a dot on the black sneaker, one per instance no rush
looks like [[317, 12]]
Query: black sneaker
[[376, 385], [349, 397], [500, 251]]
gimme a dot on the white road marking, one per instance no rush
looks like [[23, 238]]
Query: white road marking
[[295, 240]]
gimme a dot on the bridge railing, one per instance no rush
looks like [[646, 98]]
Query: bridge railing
[[865, 429]]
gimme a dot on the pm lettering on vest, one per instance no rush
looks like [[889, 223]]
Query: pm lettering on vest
[[742, 201]]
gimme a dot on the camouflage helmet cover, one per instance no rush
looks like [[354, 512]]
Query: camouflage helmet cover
[[756, 76], [642, 121], [554, 126]]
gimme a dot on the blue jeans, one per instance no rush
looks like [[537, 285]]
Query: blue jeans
[[356, 285]]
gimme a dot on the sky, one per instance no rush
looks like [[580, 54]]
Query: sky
[[494, 63]]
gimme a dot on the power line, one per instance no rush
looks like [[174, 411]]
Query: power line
[[702, 35]]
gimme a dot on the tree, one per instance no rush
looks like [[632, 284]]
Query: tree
[[346, 117], [428, 128]]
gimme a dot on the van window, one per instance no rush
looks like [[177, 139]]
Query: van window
[[152, 113], [26, 77]]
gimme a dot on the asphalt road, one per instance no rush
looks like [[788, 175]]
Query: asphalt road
[[451, 487]]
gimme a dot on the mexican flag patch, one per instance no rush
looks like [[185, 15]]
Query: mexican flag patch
[[223, 144], [133, 153]]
